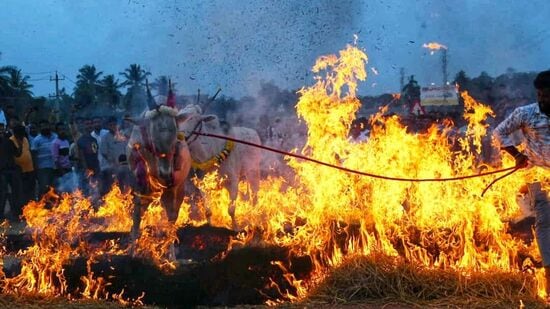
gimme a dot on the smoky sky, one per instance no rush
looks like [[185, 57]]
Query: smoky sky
[[236, 44]]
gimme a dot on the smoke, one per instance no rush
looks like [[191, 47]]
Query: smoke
[[67, 183], [237, 44]]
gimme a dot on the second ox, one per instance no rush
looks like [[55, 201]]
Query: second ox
[[159, 159], [235, 161]]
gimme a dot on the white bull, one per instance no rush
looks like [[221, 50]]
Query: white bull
[[158, 157], [236, 161]]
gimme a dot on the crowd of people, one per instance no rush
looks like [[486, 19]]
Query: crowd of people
[[86, 153]]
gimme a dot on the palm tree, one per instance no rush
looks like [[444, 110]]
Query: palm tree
[[87, 83], [88, 75], [110, 93], [19, 84], [134, 100], [134, 75], [161, 85], [5, 72]]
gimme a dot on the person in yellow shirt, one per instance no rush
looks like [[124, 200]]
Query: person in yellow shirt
[[24, 161]]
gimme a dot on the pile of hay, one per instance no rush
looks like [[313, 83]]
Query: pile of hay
[[381, 280], [41, 302]]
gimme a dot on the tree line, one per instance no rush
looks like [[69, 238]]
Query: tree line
[[97, 92], [94, 92]]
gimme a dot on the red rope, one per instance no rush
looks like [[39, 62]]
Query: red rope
[[511, 169], [499, 178]]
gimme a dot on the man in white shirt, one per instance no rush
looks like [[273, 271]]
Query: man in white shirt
[[108, 161], [98, 133], [534, 122]]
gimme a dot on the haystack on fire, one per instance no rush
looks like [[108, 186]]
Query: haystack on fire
[[287, 238]]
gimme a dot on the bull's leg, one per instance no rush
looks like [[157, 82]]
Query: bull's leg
[[252, 176], [197, 204], [171, 203], [136, 218], [233, 187]]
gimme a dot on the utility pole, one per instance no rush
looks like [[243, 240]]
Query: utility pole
[[401, 79], [445, 74], [56, 96], [56, 79], [444, 67]]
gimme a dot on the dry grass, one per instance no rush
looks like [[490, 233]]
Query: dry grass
[[38, 302], [385, 280]]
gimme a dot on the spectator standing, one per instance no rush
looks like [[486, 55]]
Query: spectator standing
[[108, 153], [10, 114], [60, 150], [98, 133], [87, 149], [41, 147], [10, 175], [32, 131], [123, 175], [28, 175]]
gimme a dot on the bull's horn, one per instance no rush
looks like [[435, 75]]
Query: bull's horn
[[205, 105]]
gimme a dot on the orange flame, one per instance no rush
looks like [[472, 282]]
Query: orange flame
[[322, 213], [434, 46], [329, 215]]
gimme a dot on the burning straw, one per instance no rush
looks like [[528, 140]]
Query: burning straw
[[382, 279], [38, 302]]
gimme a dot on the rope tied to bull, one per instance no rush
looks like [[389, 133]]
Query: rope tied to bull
[[510, 170], [215, 160]]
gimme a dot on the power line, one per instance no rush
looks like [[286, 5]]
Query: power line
[[65, 76], [38, 73]]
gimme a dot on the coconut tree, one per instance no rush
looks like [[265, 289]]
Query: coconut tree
[[161, 85], [5, 72], [134, 75], [87, 83], [88, 75], [109, 90], [19, 84]]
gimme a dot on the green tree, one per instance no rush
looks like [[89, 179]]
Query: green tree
[[481, 88], [87, 84], [15, 87], [19, 84], [484, 80], [88, 75], [462, 80], [109, 91], [161, 85], [4, 79], [134, 75], [135, 98]]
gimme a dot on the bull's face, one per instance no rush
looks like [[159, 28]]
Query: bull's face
[[163, 133], [190, 120]]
